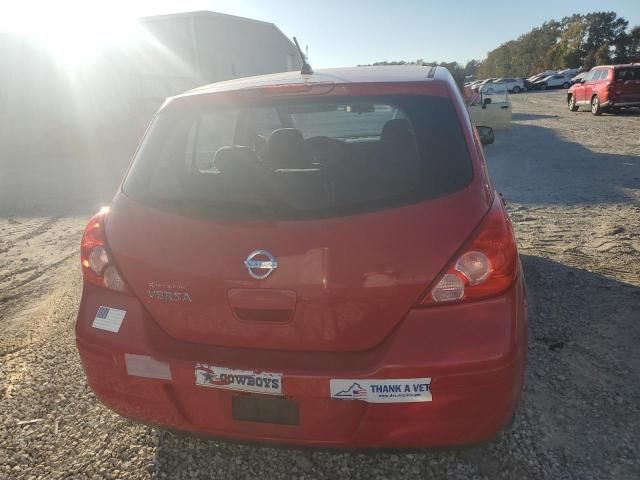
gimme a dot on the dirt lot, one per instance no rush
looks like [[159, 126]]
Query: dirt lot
[[572, 183]]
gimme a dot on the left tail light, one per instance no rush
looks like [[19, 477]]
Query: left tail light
[[97, 263], [485, 267]]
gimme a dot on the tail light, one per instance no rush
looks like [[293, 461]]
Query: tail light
[[97, 263], [485, 267]]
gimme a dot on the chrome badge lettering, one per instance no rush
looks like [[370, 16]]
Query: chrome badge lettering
[[170, 293], [170, 296]]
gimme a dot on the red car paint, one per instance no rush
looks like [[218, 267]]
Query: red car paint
[[350, 299], [607, 87]]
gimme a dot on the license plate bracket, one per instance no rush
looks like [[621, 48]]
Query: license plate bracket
[[265, 409]]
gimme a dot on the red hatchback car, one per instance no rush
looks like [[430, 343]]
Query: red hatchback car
[[309, 260], [607, 88]]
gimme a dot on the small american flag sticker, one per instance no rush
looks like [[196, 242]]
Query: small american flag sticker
[[109, 319]]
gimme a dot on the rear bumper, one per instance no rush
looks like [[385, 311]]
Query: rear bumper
[[621, 103], [474, 354]]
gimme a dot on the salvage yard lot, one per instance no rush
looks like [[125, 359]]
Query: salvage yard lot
[[572, 184]]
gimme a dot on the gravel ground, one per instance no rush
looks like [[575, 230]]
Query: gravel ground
[[572, 183]]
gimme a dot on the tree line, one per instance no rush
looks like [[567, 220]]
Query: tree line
[[459, 72], [585, 41]]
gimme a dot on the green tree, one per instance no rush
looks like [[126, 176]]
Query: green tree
[[569, 49], [576, 40], [602, 55], [471, 68], [530, 53], [603, 27], [589, 61], [634, 44]]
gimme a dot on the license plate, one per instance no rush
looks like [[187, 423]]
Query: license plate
[[263, 409]]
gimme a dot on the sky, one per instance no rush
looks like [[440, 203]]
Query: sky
[[338, 33]]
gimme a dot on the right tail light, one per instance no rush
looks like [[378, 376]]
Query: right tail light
[[485, 267]]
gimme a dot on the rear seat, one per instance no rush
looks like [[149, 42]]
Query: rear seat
[[301, 184], [390, 168]]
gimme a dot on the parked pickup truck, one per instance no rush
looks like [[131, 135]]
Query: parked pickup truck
[[491, 107]]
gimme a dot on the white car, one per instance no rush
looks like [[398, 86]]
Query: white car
[[541, 75], [553, 81], [515, 85], [578, 77], [482, 83]]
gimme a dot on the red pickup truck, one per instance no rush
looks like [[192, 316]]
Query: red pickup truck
[[607, 88]]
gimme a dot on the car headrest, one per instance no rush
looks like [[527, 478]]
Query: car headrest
[[236, 159], [287, 149], [397, 132], [223, 159]]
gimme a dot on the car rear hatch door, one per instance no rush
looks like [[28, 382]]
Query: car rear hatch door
[[323, 279], [627, 85], [340, 284]]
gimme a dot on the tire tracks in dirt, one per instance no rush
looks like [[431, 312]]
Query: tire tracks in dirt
[[35, 272], [42, 228], [36, 275]]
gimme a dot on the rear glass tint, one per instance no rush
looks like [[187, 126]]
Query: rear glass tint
[[625, 74], [300, 158]]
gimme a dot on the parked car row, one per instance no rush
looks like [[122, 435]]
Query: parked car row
[[514, 84], [541, 81], [605, 88], [553, 81]]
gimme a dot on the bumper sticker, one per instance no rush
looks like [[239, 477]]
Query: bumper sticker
[[382, 391], [147, 367], [109, 319], [240, 380]]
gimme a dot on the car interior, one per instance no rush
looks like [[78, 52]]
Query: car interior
[[301, 159], [285, 168]]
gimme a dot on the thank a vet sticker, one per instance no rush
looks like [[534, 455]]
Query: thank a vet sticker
[[109, 319], [382, 391], [241, 380]]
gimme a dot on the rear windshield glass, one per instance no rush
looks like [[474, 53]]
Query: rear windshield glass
[[300, 158], [625, 74]]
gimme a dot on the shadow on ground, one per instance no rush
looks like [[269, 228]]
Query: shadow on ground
[[531, 116], [625, 112], [558, 171], [578, 417]]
